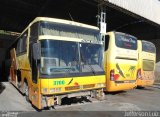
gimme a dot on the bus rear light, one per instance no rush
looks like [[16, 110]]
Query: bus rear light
[[116, 76], [112, 75], [139, 75]]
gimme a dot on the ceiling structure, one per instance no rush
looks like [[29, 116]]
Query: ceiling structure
[[17, 14]]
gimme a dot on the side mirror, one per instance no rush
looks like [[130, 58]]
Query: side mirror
[[36, 51]]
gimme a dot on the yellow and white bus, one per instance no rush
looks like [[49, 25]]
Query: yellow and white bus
[[120, 61], [146, 63], [57, 58]]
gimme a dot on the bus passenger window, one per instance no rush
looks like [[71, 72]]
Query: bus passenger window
[[106, 42], [23, 44], [34, 33], [18, 47]]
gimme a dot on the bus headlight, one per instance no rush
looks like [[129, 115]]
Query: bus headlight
[[55, 90], [44, 90], [100, 85], [52, 90]]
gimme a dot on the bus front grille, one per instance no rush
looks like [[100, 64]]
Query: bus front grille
[[72, 88]]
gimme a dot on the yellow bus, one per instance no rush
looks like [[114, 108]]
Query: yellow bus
[[120, 61], [146, 63], [57, 58]]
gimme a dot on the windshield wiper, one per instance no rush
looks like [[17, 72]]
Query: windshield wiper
[[91, 68], [93, 71]]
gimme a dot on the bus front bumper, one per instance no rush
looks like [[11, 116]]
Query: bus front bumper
[[144, 83], [113, 86], [52, 100]]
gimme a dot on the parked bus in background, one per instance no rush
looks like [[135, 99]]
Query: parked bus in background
[[56, 58], [146, 63], [120, 61]]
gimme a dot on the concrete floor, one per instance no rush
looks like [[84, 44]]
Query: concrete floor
[[12, 100], [147, 99]]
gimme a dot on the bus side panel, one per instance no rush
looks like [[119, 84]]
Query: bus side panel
[[36, 94], [14, 67], [24, 69], [13, 76], [26, 75]]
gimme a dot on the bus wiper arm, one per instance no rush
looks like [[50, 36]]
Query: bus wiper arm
[[91, 68], [93, 71]]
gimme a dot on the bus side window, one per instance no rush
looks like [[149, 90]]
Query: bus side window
[[34, 33], [23, 44], [18, 47], [33, 63], [106, 42]]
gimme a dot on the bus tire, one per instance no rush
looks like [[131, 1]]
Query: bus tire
[[9, 78], [100, 95], [26, 91]]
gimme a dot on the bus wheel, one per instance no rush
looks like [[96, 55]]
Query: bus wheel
[[100, 95], [9, 78], [26, 91]]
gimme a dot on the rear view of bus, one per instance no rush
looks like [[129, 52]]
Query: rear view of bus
[[120, 61], [147, 58]]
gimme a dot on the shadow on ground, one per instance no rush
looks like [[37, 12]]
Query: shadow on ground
[[145, 88], [66, 101], [2, 87], [116, 93], [69, 101], [156, 86]]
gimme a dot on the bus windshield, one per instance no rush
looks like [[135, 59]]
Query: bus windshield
[[125, 41], [58, 57], [58, 29], [91, 56], [148, 47]]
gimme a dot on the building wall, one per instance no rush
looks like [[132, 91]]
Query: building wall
[[157, 72], [5, 42], [157, 44], [149, 9]]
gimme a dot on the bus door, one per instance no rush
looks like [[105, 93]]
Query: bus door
[[35, 82], [14, 67]]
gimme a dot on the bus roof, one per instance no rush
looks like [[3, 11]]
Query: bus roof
[[62, 21], [148, 42], [148, 46]]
